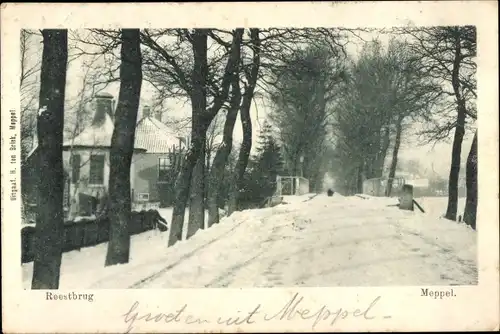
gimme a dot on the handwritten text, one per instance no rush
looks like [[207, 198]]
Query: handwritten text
[[293, 310]]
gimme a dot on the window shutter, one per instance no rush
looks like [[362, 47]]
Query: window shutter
[[75, 168], [96, 169]]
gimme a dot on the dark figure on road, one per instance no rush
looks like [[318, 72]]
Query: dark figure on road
[[330, 192]]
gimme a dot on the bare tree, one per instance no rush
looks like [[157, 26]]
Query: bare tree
[[251, 76], [300, 100], [448, 56], [222, 155], [471, 180], [214, 133], [363, 117], [201, 120], [29, 85], [277, 46], [199, 103], [50, 171], [122, 148], [413, 96]]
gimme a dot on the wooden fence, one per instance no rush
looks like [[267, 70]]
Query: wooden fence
[[87, 233]]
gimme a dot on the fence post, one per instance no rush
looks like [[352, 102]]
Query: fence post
[[406, 199]]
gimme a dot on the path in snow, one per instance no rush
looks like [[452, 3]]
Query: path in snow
[[324, 241], [328, 242]]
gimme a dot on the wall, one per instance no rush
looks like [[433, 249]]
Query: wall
[[146, 179], [303, 186], [146, 176], [284, 185], [82, 185], [143, 172]]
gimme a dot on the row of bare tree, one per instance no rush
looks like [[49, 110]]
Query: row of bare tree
[[210, 86], [425, 78], [330, 111]]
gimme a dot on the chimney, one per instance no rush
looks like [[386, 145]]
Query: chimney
[[158, 115], [104, 105], [146, 111]]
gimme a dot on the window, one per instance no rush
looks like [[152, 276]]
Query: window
[[143, 197], [96, 175], [163, 169], [75, 168]]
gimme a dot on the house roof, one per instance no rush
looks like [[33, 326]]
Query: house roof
[[151, 135], [155, 136]]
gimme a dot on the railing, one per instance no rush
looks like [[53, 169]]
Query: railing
[[291, 185], [379, 186]]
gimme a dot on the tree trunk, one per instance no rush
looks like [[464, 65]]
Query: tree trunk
[[471, 180], [359, 181], [199, 102], [191, 177], [295, 170], [243, 156], [395, 152], [50, 173], [451, 211], [208, 155], [201, 119], [246, 124], [222, 155], [208, 164], [182, 187], [122, 148], [197, 195], [379, 164]]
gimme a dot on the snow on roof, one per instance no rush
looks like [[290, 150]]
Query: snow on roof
[[154, 136], [151, 135], [96, 135]]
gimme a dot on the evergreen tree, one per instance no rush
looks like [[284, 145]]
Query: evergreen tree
[[269, 159], [264, 167]]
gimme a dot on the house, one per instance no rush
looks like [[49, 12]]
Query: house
[[155, 162], [156, 168]]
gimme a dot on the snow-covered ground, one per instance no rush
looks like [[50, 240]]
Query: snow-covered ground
[[322, 241], [436, 206]]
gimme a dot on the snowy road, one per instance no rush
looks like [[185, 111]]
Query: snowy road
[[327, 241]]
